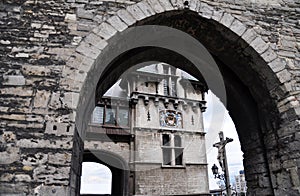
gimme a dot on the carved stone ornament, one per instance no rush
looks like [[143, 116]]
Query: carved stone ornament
[[170, 118]]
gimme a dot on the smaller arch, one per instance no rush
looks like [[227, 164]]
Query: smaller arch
[[96, 179], [117, 165]]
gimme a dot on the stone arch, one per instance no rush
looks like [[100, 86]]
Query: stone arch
[[268, 65], [118, 166]]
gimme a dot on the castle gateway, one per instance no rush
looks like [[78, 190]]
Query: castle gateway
[[58, 57]]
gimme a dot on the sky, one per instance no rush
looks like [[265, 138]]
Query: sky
[[97, 178]]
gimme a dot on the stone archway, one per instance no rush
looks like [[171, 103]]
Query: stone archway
[[256, 87], [118, 167]]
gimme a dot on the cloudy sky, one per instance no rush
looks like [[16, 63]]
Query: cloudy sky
[[97, 178], [216, 119]]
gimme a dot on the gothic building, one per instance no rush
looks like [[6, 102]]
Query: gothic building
[[148, 129]]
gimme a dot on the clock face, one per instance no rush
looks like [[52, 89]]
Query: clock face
[[170, 118]]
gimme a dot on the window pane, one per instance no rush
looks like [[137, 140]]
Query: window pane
[[123, 117], [110, 117], [177, 141], [167, 154], [97, 116], [178, 156], [166, 140]]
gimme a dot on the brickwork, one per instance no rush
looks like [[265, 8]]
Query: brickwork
[[49, 53]]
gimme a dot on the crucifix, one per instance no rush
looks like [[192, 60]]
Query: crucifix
[[223, 159]]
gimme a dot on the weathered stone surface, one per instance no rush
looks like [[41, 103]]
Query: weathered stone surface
[[14, 80], [126, 17], [156, 6], [226, 20], [136, 12], [105, 30], [259, 45], [238, 27], [40, 37], [59, 129], [116, 22]]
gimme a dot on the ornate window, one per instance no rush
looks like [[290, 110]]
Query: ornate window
[[172, 150]]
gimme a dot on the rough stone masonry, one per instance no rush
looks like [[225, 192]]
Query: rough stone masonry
[[48, 52]]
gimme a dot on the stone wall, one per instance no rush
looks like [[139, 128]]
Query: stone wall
[[42, 76]]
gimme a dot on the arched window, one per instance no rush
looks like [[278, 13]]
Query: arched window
[[95, 179]]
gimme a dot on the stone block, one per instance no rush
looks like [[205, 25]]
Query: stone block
[[195, 5], [9, 156], [8, 137], [178, 4], [59, 158], [71, 100], [136, 12], [146, 8], [70, 18], [59, 129], [284, 76], [51, 174], [88, 50], [65, 143], [56, 101], [6, 177], [277, 65], [226, 20], [117, 23], [249, 35], [166, 5], [86, 14], [217, 15], [269, 55], [22, 178], [156, 6], [238, 27], [29, 160], [43, 190], [14, 80], [259, 45], [41, 99], [97, 41], [206, 10], [105, 30], [126, 17]]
